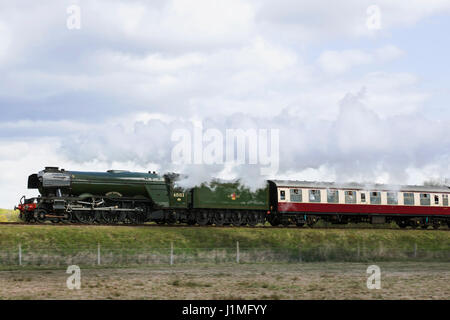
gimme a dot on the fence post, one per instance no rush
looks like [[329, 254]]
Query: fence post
[[20, 254], [237, 251], [98, 254], [415, 250], [358, 252], [171, 253]]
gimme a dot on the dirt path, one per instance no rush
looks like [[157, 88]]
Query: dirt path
[[249, 281]]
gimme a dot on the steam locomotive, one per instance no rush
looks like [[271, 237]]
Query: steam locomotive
[[123, 197]]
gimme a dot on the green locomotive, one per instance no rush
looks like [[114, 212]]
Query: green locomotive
[[118, 196]]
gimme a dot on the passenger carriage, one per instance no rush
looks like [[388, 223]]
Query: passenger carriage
[[304, 202]]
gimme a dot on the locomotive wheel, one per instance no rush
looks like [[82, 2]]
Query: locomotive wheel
[[402, 224], [274, 220], [136, 217], [120, 217], [86, 217], [252, 219], [78, 216], [98, 217], [67, 218], [41, 215], [202, 218], [108, 217], [285, 223], [219, 219]]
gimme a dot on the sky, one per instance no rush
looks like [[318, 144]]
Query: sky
[[355, 94]]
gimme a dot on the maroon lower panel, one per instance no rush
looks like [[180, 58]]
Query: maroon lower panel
[[362, 208]]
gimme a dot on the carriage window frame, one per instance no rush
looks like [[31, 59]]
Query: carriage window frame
[[375, 197], [314, 196], [425, 199], [348, 194], [392, 198], [406, 195], [445, 200], [296, 195], [282, 195], [332, 196]]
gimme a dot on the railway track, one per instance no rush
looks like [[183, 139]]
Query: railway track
[[213, 226]]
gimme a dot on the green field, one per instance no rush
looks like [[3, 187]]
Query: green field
[[120, 246], [49, 236], [9, 215]]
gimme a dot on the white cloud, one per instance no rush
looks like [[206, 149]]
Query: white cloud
[[341, 61], [388, 53], [337, 62]]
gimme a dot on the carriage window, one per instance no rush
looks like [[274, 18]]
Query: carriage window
[[363, 197], [425, 199], [282, 195], [408, 198], [350, 196], [445, 200], [332, 196], [392, 198], [296, 195], [436, 199], [375, 197], [314, 195]]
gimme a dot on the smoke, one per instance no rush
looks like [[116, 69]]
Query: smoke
[[356, 146]]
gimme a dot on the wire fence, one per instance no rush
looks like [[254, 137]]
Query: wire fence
[[112, 256]]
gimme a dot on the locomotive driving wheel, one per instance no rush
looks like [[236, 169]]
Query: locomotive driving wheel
[[109, 217], [136, 217], [84, 216]]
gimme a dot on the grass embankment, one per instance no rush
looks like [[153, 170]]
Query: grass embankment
[[73, 237], [125, 246], [9, 215]]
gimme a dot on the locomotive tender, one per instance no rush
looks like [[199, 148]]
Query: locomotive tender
[[118, 196]]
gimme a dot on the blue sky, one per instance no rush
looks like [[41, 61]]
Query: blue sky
[[351, 103]]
